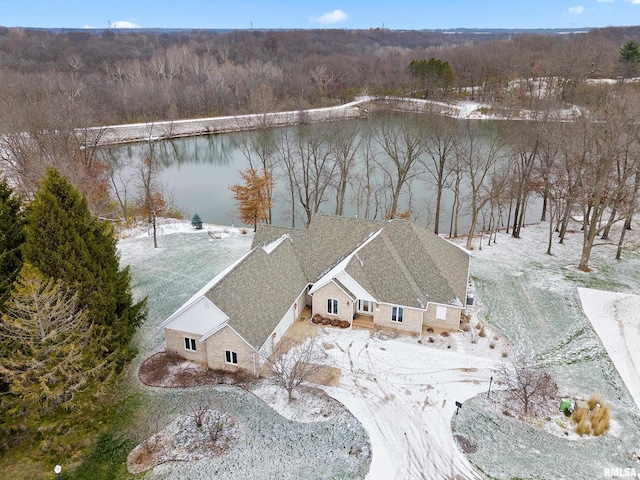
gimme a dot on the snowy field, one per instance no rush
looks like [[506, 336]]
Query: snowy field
[[532, 299], [403, 391], [270, 446], [616, 319]]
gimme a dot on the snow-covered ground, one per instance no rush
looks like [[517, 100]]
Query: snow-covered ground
[[326, 444], [615, 318], [532, 299], [403, 392]]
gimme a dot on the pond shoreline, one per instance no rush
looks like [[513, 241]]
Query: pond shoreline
[[152, 131]]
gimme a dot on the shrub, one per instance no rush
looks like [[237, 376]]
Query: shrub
[[505, 354], [430, 340], [492, 345], [479, 325], [584, 427], [482, 332], [593, 401], [601, 419], [445, 334], [465, 327], [317, 318], [335, 322], [430, 330], [344, 324], [579, 415], [196, 221], [244, 231], [473, 336], [326, 321]]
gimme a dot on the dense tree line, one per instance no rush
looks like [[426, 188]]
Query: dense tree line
[[119, 77], [55, 85], [66, 321], [584, 164]]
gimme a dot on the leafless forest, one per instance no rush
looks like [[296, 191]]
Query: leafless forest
[[54, 85]]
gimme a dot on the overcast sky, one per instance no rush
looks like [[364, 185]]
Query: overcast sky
[[350, 14]]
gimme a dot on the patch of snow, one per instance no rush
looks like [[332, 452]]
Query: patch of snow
[[404, 394], [614, 317]]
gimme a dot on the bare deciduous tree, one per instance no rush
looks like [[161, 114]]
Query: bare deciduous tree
[[152, 196], [440, 146], [402, 138], [480, 155], [527, 384], [199, 407], [293, 364], [345, 139], [308, 166]]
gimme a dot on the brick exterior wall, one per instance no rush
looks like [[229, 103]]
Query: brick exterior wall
[[228, 339], [451, 322], [175, 343], [411, 318], [331, 290]]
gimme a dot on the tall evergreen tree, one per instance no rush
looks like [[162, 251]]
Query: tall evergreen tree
[[630, 58], [43, 334], [11, 239], [64, 241]]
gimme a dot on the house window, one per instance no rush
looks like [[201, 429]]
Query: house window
[[231, 357], [365, 306], [190, 344], [332, 306], [396, 314], [441, 313]]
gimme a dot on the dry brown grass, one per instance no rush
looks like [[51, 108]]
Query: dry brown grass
[[584, 427], [601, 419], [579, 415], [594, 420], [482, 332], [593, 401]]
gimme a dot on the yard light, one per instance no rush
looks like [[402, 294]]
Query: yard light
[[58, 471], [489, 392]]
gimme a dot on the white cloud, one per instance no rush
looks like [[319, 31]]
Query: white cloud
[[336, 16], [576, 10], [605, 1], [634, 2], [124, 24]]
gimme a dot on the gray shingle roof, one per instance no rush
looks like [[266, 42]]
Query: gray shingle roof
[[403, 265], [257, 293], [328, 240], [409, 266]]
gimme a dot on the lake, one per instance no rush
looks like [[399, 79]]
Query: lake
[[199, 170]]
